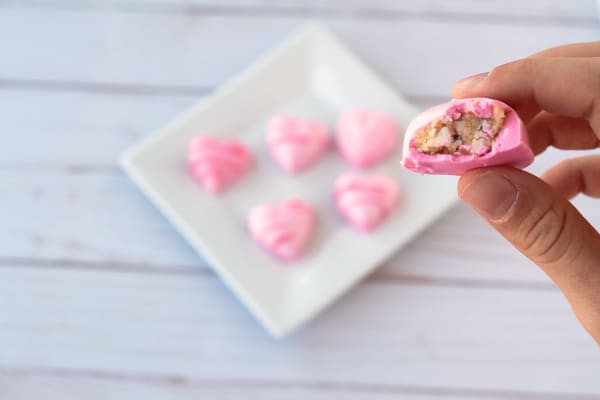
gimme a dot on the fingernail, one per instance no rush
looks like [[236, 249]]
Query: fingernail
[[492, 195], [471, 81]]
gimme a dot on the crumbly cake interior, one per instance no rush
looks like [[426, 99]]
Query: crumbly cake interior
[[467, 134]]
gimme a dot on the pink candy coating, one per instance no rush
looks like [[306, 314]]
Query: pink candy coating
[[284, 228], [510, 147], [366, 137], [365, 201], [295, 144], [217, 163]]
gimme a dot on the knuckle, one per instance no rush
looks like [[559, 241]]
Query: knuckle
[[544, 235], [494, 72], [509, 69], [592, 72]]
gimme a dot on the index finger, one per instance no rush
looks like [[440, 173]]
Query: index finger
[[563, 86], [584, 49]]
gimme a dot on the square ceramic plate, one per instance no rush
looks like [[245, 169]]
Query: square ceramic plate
[[310, 75]]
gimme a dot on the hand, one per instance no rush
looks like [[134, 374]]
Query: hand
[[557, 94]]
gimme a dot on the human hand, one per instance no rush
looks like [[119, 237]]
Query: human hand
[[557, 94]]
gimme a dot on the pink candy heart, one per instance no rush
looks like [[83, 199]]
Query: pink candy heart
[[284, 229], [217, 163], [295, 144], [366, 137], [365, 201]]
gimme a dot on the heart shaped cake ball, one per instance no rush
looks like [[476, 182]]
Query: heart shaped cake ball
[[463, 134], [284, 229], [366, 137], [295, 144], [365, 201], [217, 163]]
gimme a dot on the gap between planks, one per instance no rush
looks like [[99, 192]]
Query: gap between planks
[[315, 11], [326, 386], [184, 91], [104, 87], [384, 277]]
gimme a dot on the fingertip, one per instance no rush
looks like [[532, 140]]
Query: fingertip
[[490, 192], [469, 177], [463, 182], [459, 92]]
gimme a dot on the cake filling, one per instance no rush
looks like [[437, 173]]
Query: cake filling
[[461, 132]]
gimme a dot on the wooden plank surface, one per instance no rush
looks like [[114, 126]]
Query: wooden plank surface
[[381, 334], [100, 298], [203, 50]]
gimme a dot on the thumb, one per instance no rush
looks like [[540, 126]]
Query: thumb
[[546, 228]]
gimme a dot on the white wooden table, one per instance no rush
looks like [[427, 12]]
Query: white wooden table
[[101, 299]]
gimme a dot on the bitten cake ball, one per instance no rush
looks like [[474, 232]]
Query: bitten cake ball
[[460, 135]]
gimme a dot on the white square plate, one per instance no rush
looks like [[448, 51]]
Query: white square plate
[[310, 75]]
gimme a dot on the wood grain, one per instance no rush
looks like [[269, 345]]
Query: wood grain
[[177, 326]]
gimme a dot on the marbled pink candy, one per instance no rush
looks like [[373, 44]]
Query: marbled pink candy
[[217, 163], [284, 228], [294, 143], [510, 147], [366, 137], [365, 201]]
